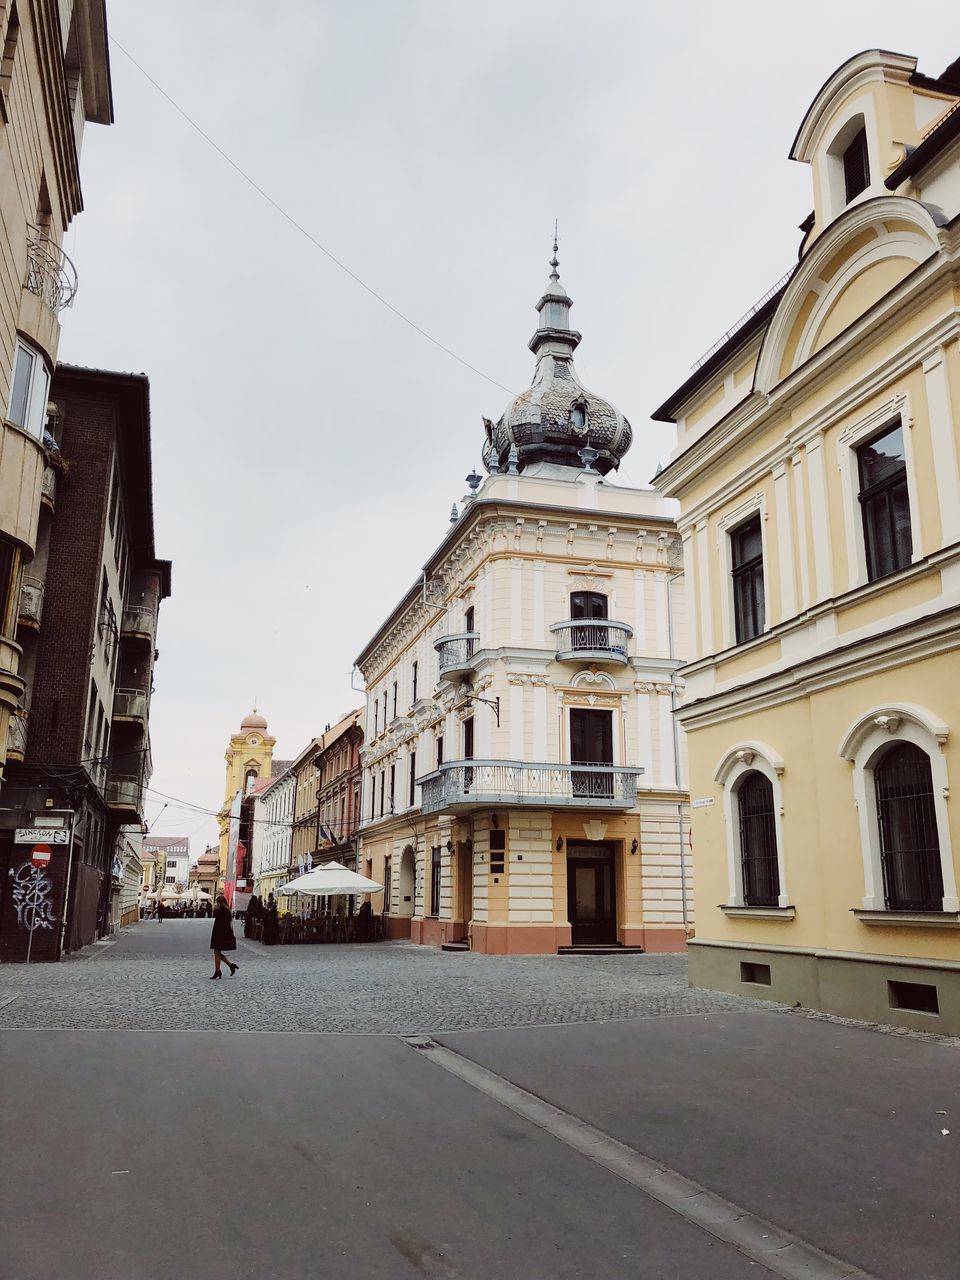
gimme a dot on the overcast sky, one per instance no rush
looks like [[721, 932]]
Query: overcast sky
[[307, 444]]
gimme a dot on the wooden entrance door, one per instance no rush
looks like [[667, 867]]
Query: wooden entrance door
[[591, 894]]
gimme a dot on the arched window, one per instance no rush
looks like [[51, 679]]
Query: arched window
[[758, 841], [909, 844]]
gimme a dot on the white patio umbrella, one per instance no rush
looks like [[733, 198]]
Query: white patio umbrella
[[329, 880]]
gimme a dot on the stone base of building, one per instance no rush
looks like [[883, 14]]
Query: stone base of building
[[396, 928], [652, 938], [519, 939], [922, 995]]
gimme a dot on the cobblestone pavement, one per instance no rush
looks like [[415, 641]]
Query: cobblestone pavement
[[155, 977]]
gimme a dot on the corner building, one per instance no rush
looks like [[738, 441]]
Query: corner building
[[523, 785], [820, 515]]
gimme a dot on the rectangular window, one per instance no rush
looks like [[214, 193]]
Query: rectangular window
[[395, 699], [414, 682], [759, 974], [383, 790], [393, 786], [498, 851], [384, 708], [918, 997], [412, 799], [9, 55], [856, 167], [376, 713], [9, 587], [387, 876], [884, 503], [468, 739], [746, 544], [20, 391], [439, 750], [435, 882]]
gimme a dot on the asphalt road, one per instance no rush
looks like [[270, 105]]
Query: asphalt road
[[151, 1152]]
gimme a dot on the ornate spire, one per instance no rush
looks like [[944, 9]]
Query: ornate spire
[[554, 310], [554, 274]]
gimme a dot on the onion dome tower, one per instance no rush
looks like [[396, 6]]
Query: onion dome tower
[[557, 424]]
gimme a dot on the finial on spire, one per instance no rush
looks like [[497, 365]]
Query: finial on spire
[[554, 261]]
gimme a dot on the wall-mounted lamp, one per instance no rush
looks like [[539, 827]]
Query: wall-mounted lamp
[[494, 821], [635, 846], [468, 845], [559, 843], [449, 846]]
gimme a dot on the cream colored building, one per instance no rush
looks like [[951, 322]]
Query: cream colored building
[[273, 833], [248, 757], [54, 77], [819, 487], [523, 785]]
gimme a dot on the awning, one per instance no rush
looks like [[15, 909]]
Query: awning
[[329, 880]]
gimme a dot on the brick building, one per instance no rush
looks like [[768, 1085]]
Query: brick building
[[82, 752]]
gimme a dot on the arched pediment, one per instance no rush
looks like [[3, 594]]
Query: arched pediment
[[855, 263], [888, 717]]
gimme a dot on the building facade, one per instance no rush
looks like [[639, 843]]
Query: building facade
[[338, 779], [273, 833], [523, 786], [81, 759], [817, 473], [248, 757], [303, 843], [54, 77], [205, 874], [172, 854]]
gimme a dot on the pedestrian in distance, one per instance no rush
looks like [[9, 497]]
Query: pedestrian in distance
[[161, 911], [222, 939]]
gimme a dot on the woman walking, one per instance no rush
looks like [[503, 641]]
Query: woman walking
[[222, 939]]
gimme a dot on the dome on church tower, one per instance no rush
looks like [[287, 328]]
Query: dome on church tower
[[253, 721], [548, 425]]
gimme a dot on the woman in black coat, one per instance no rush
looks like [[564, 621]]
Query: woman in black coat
[[222, 939]]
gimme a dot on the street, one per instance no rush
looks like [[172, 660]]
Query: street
[[298, 1120]]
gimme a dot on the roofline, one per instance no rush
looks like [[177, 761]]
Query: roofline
[[492, 504], [832, 85], [667, 411], [931, 146]]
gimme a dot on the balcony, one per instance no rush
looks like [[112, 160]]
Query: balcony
[[30, 608], [138, 623], [51, 276], [131, 704], [471, 784], [17, 736], [123, 794], [48, 487], [456, 654], [592, 640]]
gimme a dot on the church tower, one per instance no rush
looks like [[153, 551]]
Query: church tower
[[248, 757]]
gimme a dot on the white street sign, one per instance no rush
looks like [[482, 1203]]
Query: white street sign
[[39, 835]]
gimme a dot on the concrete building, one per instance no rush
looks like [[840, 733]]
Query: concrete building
[[205, 873], [81, 757], [54, 77], [338, 778], [817, 475], [523, 786], [273, 833], [172, 854], [127, 879]]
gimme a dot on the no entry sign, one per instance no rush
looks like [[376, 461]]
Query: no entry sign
[[40, 856]]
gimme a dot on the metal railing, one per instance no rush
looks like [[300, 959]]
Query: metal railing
[[50, 273], [456, 652], [747, 315], [138, 621], [464, 783], [598, 638], [123, 792], [30, 608], [131, 704]]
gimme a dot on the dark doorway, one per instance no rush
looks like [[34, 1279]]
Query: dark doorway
[[591, 894], [591, 742], [588, 604]]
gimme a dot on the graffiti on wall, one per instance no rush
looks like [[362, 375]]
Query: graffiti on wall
[[33, 898]]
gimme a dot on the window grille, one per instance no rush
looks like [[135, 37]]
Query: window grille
[[856, 167], [909, 843], [758, 842]]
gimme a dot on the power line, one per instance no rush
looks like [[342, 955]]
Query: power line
[[298, 226]]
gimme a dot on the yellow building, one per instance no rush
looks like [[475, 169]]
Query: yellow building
[[523, 785], [248, 757], [54, 77], [818, 480]]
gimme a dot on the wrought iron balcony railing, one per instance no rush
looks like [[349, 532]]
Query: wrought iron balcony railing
[[30, 609], [139, 622], [131, 704], [592, 639], [50, 273], [456, 652], [463, 784]]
